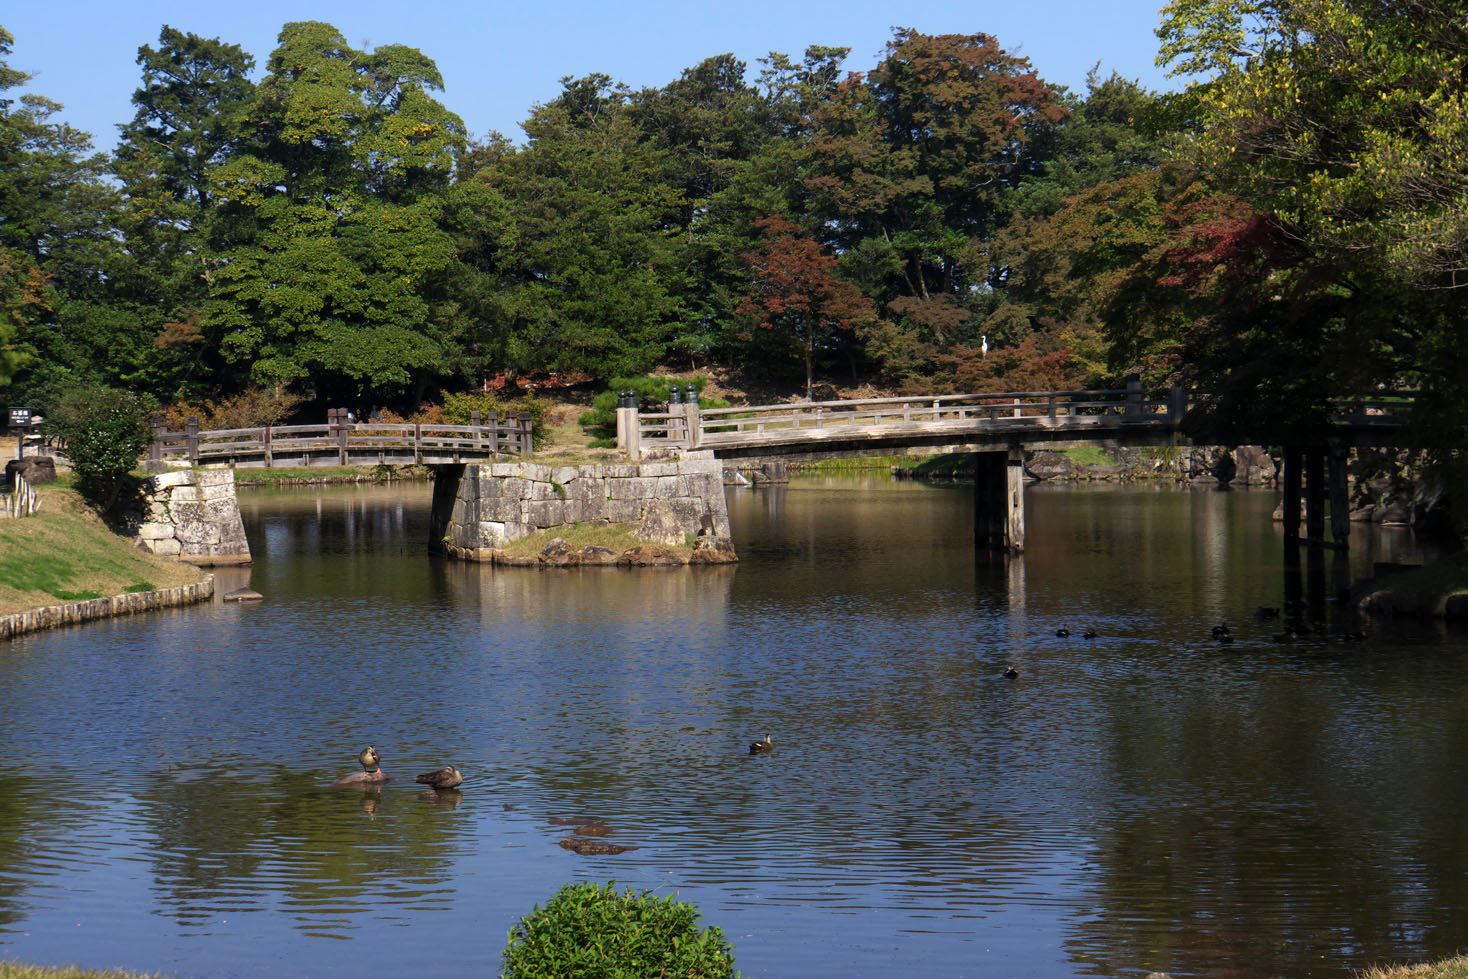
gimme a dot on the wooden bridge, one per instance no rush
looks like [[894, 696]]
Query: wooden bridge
[[345, 442], [998, 427], [976, 421]]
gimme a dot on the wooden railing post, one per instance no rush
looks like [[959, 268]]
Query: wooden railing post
[[418, 442], [342, 428], [269, 452], [526, 435], [155, 450], [694, 422], [1177, 405], [1054, 408], [494, 433], [191, 431], [634, 433], [1134, 397], [474, 424]]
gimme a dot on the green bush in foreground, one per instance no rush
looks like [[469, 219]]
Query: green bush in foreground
[[593, 932]]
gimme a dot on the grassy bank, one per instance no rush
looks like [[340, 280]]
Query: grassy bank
[[1454, 968], [65, 553], [614, 537], [19, 970], [1448, 576]]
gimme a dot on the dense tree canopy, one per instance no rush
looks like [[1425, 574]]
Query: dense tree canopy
[[1287, 228]]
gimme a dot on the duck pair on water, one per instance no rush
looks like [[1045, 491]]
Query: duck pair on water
[[372, 774], [1063, 632]]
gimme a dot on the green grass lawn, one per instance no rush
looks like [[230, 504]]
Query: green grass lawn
[[64, 553]]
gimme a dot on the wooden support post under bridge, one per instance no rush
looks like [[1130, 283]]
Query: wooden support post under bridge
[[999, 500], [1323, 474]]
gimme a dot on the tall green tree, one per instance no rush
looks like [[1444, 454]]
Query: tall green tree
[[1340, 122], [591, 277], [191, 117], [333, 259], [58, 218]]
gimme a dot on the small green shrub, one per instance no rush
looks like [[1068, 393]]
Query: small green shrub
[[105, 433], [587, 931], [602, 418], [457, 409]]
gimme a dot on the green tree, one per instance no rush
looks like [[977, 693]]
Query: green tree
[[590, 279], [23, 296], [334, 261], [1341, 123], [191, 117], [58, 217]]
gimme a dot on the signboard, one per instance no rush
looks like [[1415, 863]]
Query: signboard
[[20, 416]]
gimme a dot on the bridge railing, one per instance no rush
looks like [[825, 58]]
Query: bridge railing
[[345, 442], [688, 426]]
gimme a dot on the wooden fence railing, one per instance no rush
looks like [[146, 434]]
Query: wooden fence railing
[[1088, 413], [345, 442], [688, 426]]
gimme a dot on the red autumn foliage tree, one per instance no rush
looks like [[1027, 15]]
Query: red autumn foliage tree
[[795, 294]]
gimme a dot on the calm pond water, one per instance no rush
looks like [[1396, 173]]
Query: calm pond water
[[1147, 799]]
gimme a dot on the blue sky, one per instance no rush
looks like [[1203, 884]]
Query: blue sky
[[498, 59]]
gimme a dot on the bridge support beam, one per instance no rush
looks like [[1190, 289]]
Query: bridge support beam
[[1340, 504], [999, 501], [1323, 474]]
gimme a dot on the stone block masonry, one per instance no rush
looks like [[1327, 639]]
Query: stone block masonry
[[75, 613], [192, 515], [478, 509]]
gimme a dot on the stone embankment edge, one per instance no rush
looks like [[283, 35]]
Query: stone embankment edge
[[74, 613]]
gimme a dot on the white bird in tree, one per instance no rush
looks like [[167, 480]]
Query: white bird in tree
[[984, 345]]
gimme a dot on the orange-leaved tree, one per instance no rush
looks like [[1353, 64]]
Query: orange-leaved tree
[[795, 293]]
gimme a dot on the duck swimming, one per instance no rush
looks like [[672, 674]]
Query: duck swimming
[[760, 747], [1062, 632], [447, 777], [1010, 673], [370, 775]]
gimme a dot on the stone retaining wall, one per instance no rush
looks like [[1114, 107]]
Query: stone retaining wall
[[73, 613], [479, 509], [193, 515]]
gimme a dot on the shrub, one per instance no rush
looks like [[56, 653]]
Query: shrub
[[602, 418], [254, 407], [587, 931], [457, 408], [105, 434]]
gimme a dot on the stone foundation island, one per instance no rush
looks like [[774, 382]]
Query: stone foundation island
[[669, 512]]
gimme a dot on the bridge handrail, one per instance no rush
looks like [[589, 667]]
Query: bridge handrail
[[929, 401], [488, 438]]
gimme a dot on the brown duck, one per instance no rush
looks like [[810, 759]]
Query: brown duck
[[371, 773], [760, 747], [445, 778]]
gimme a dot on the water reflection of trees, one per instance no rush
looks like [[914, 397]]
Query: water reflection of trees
[[1304, 829], [324, 855], [20, 809]]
